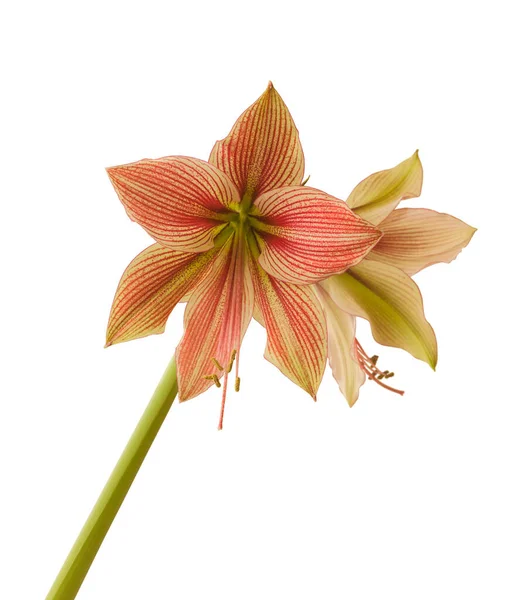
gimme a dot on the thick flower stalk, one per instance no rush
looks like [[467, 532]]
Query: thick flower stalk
[[231, 233], [380, 288]]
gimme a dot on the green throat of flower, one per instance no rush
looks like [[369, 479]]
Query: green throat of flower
[[244, 221]]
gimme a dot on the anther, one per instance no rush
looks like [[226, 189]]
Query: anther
[[368, 366], [238, 381], [215, 361], [231, 361], [216, 380]]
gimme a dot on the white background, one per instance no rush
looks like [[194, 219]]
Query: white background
[[413, 498]]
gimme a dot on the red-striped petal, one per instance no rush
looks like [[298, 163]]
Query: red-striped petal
[[296, 329], [216, 318], [151, 286], [308, 235], [178, 200], [263, 151], [415, 238]]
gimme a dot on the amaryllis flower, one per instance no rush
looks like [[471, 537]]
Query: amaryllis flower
[[229, 232], [380, 288]]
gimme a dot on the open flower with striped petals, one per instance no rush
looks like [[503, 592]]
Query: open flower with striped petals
[[380, 288], [232, 232]]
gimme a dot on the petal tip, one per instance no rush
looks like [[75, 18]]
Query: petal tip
[[112, 173], [111, 340]]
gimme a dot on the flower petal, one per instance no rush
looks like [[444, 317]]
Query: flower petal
[[151, 286], [415, 238], [308, 235], [391, 301], [178, 200], [216, 317], [341, 349], [295, 327], [263, 151], [377, 195]]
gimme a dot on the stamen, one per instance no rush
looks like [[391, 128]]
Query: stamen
[[215, 361], [223, 398], [225, 382], [238, 382], [368, 365], [231, 361], [213, 378]]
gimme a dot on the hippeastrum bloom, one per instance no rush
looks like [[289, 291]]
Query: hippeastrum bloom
[[380, 288], [236, 230], [241, 236]]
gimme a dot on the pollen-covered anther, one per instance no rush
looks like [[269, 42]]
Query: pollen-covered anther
[[231, 361], [238, 382], [216, 362], [213, 378], [368, 365]]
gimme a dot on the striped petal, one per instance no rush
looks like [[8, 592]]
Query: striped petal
[[415, 238], [151, 286], [178, 200], [341, 350], [377, 195], [296, 329], [392, 303], [263, 151], [308, 235], [216, 318]]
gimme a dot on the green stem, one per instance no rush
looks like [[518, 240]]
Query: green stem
[[80, 558]]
